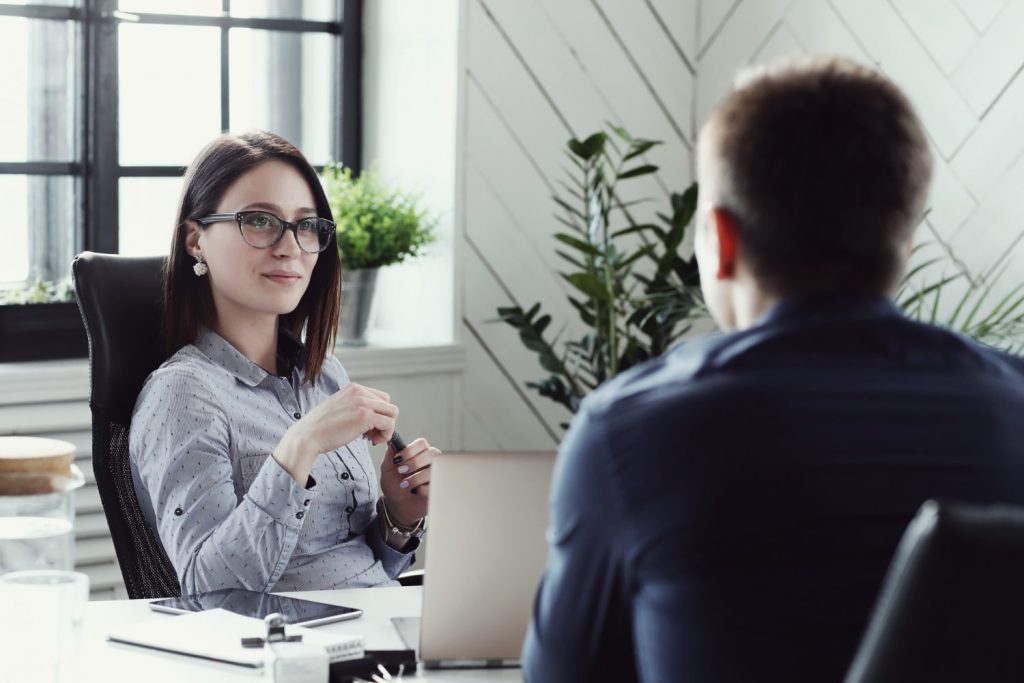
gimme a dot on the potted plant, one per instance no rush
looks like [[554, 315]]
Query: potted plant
[[378, 225], [634, 292], [40, 321]]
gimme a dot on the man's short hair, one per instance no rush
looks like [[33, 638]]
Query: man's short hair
[[826, 167]]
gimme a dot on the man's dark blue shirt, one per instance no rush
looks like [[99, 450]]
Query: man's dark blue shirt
[[727, 512]]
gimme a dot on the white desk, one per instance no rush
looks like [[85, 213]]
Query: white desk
[[113, 663]]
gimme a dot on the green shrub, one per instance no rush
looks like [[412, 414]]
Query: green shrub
[[378, 225]]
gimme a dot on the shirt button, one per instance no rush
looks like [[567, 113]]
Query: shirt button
[[349, 509], [296, 415], [179, 512], [344, 475], [300, 514], [306, 502]]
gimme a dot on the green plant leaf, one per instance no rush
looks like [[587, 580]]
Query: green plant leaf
[[570, 208], [637, 171], [588, 283], [577, 244], [642, 227], [565, 256], [589, 148]]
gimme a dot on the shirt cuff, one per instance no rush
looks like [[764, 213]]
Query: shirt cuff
[[393, 561], [281, 497]]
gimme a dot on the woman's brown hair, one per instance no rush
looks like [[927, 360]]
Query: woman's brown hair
[[187, 300]]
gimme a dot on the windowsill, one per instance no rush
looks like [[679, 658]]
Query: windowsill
[[68, 380]]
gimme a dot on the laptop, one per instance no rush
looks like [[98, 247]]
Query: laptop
[[485, 554]]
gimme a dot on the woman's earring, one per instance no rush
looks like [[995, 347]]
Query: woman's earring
[[200, 268]]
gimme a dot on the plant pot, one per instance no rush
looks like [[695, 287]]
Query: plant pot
[[357, 287]]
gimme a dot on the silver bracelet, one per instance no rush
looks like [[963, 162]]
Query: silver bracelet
[[403, 531]]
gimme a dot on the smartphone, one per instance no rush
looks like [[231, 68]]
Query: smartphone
[[252, 604]]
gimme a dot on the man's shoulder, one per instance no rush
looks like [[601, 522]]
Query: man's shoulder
[[684, 365]]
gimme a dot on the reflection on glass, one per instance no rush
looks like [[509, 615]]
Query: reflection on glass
[[37, 90], [148, 211], [205, 8], [169, 104], [283, 82], [312, 10], [39, 235]]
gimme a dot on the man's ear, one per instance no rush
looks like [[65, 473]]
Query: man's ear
[[193, 232], [728, 242]]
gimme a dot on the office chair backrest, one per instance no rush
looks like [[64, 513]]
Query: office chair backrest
[[119, 298], [952, 605]]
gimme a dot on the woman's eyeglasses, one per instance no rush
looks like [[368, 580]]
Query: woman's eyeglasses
[[263, 230]]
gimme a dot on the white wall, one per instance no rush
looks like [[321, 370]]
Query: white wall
[[538, 71]]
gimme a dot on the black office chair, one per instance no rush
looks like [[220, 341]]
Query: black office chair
[[119, 298], [952, 604]]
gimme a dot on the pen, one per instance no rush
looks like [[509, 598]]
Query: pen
[[397, 444]]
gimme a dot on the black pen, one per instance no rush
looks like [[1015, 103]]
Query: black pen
[[397, 445]]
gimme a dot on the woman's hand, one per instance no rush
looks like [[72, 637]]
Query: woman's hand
[[348, 413], [405, 480]]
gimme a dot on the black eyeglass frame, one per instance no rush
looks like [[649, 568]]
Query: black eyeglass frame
[[325, 227]]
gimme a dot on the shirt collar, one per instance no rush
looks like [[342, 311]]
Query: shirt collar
[[291, 355], [825, 306]]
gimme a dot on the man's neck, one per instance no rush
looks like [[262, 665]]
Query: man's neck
[[750, 303]]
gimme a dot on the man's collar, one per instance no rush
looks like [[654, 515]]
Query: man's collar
[[291, 354], [822, 306]]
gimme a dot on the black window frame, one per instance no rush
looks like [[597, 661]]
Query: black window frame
[[46, 331]]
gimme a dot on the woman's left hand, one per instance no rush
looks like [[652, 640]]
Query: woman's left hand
[[405, 480]]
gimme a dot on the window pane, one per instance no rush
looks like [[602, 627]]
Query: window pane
[[148, 210], [284, 82], [169, 92], [60, 3], [313, 10], [39, 228], [37, 97], [206, 8]]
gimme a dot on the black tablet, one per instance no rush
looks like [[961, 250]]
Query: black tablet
[[259, 605]]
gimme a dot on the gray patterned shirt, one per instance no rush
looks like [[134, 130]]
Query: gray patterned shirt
[[228, 515]]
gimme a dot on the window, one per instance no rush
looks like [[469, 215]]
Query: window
[[105, 102]]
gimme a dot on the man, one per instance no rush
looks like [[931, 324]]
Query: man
[[727, 512]]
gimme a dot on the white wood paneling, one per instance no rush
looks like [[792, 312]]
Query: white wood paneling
[[895, 49], [732, 48], [678, 18], [981, 13], [942, 28], [539, 71], [996, 58]]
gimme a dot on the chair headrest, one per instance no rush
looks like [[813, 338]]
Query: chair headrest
[[119, 297]]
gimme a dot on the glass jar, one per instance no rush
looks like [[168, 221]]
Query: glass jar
[[38, 480]]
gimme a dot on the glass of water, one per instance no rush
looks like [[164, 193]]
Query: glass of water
[[43, 630]]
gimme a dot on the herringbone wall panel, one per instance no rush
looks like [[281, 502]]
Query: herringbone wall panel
[[540, 71]]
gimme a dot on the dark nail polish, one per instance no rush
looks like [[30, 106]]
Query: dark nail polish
[[397, 460]]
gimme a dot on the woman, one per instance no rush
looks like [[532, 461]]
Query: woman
[[249, 448]]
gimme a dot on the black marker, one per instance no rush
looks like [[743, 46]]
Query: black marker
[[397, 445]]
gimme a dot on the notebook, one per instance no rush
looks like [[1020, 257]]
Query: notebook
[[216, 635], [485, 557]]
